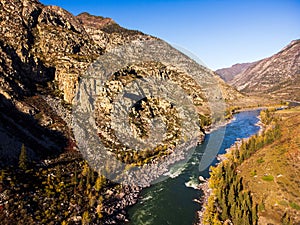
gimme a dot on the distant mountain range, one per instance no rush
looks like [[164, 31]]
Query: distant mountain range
[[277, 76], [227, 74]]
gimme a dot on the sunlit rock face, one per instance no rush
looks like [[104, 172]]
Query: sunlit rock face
[[45, 51]]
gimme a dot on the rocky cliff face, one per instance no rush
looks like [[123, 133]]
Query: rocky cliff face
[[108, 34], [43, 52], [42, 44], [227, 74], [278, 75], [50, 46]]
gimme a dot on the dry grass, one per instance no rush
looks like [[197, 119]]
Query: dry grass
[[252, 101], [272, 173]]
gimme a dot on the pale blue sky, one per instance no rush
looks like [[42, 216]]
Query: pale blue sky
[[220, 33]]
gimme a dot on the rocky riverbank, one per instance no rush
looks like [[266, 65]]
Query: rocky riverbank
[[206, 192], [118, 203]]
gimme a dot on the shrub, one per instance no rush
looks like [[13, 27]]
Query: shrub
[[295, 206], [260, 160], [268, 178], [253, 173]]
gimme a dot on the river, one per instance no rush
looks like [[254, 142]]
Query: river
[[170, 202]]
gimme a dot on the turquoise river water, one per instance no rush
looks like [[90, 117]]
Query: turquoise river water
[[171, 202]]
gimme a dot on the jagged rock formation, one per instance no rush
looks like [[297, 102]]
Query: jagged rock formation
[[278, 75], [43, 51], [51, 44], [108, 34], [227, 74]]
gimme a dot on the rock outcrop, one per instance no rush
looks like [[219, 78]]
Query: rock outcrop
[[43, 52]]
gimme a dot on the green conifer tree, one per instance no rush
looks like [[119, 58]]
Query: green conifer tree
[[23, 158]]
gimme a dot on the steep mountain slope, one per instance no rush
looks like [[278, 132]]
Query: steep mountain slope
[[278, 75], [227, 74], [44, 50]]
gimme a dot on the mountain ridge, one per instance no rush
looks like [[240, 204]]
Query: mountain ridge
[[227, 74], [277, 76]]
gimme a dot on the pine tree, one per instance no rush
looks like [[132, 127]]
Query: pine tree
[[100, 207], [75, 178], [2, 176], [86, 169], [254, 215], [246, 218], [286, 220], [216, 220], [23, 158], [210, 211], [100, 182], [85, 218], [231, 200]]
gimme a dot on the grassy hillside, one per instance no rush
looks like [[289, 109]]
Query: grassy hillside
[[258, 176], [272, 173]]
